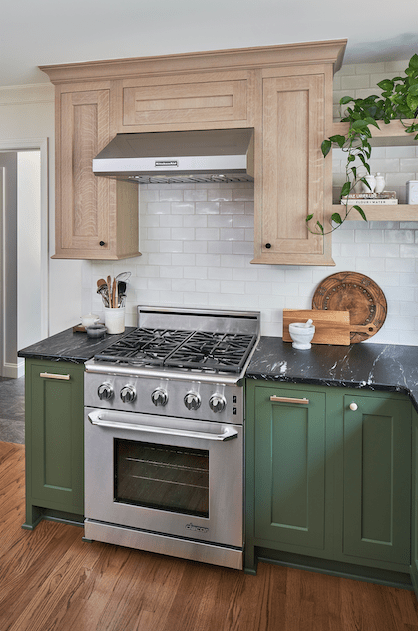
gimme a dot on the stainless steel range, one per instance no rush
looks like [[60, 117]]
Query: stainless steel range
[[164, 416]]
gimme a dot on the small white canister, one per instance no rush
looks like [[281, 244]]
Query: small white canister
[[115, 319], [89, 319], [412, 192]]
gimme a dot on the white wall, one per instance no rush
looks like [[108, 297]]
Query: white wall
[[197, 245], [29, 262], [27, 112]]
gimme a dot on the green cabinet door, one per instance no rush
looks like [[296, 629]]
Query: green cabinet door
[[414, 511], [54, 440], [376, 478], [289, 487]]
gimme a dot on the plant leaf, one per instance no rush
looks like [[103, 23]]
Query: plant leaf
[[359, 124], [345, 189], [386, 84], [340, 140], [413, 62], [325, 147], [337, 218], [320, 226], [412, 102], [361, 212], [308, 218]]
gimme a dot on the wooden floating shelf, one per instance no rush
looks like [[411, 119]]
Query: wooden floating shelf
[[397, 212], [392, 134]]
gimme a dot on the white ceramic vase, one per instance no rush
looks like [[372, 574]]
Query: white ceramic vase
[[380, 183]]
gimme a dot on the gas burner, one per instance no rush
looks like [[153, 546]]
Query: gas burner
[[174, 348]]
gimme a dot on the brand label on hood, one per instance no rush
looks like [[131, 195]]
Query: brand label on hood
[[166, 163]]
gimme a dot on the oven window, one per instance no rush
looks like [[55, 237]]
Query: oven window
[[162, 476]]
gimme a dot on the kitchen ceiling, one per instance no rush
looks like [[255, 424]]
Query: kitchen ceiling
[[53, 32]]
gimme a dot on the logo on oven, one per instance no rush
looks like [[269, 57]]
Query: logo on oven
[[196, 528]]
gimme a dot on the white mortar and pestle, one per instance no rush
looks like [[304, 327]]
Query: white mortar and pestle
[[301, 334]]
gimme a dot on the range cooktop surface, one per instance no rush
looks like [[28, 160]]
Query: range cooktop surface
[[176, 348]]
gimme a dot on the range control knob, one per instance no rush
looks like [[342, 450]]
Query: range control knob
[[217, 402], [128, 394], [105, 391], [159, 397], [192, 401]]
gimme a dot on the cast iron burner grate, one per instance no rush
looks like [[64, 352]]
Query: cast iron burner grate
[[201, 350]]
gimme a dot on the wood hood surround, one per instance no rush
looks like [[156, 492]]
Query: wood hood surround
[[284, 92]]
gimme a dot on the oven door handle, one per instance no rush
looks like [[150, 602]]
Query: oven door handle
[[97, 418]]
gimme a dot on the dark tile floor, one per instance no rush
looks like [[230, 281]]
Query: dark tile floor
[[12, 410]]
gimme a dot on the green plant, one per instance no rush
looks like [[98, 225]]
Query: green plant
[[398, 100]]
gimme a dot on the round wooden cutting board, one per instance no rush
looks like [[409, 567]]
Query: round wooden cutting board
[[356, 293]]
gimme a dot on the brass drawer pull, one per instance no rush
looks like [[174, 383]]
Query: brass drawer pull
[[288, 400], [49, 375]]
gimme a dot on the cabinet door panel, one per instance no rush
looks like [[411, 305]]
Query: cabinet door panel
[[85, 199], [414, 507], [186, 100], [290, 479], [377, 478], [56, 455], [292, 170]]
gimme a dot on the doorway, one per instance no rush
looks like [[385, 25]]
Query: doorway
[[23, 253]]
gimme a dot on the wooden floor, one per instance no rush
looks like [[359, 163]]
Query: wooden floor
[[50, 579]]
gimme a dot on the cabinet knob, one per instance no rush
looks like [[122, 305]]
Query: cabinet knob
[[353, 406], [102, 243], [268, 246]]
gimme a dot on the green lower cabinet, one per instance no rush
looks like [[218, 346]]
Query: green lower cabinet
[[54, 441], [328, 482], [414, 511]]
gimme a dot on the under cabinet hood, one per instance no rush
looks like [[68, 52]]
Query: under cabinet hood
[[221, 155]]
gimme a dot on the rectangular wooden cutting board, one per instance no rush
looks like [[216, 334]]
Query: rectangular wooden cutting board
[[331, 327]]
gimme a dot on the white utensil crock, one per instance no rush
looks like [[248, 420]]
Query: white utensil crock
[[115, 319]]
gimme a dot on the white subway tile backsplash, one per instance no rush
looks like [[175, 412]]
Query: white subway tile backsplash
[[220, 247], [355, 82]]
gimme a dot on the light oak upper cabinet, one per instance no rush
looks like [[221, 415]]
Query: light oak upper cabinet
[[292, 177], [283, 92], [96, 217], [200, 100]]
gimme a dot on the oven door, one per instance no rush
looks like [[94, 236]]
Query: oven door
[[172, 476]]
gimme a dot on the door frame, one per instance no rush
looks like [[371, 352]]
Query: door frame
[[42, 145]]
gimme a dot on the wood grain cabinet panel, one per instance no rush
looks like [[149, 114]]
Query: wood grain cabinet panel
[[292, 173], [283, 92], [184, 102], [97, 218]]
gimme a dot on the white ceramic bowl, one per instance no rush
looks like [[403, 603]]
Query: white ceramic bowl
[[301, 335]]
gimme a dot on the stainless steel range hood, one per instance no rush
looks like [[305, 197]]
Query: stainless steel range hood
[[221, 155]]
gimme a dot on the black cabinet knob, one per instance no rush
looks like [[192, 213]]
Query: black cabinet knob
[[102, 243], [268, 246]]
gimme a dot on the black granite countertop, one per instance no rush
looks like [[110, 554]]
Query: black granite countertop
[[69, 346], [389, 367]]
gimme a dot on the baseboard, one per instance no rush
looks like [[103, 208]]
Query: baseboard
[[336, 568], [13, 371]]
